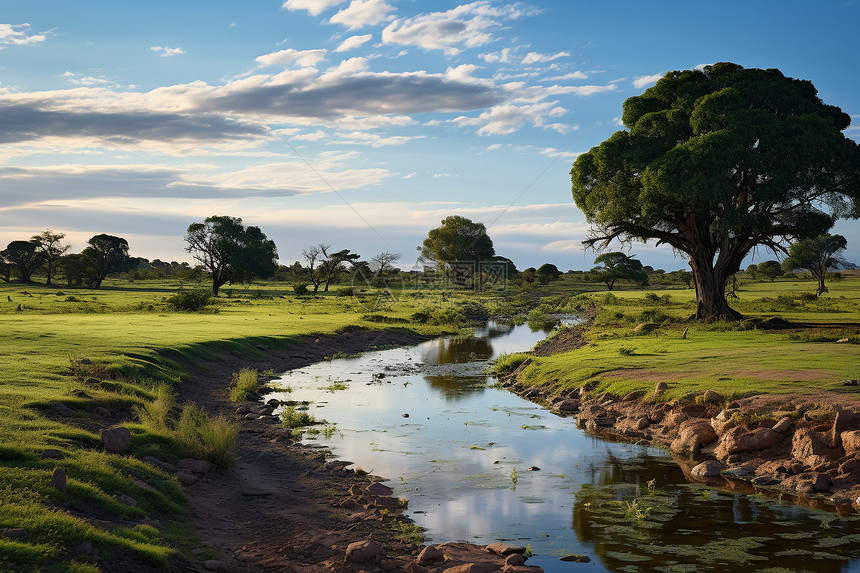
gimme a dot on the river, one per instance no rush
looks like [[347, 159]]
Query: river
[[478, 463]]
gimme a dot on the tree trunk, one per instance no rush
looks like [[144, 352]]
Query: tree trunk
[[711, 303]]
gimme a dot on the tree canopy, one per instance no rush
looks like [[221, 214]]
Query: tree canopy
[[231, 252], [104, 255], [24, 256], [715, 162], [614, 266], [51, 248], [815, 255], [460, 246]]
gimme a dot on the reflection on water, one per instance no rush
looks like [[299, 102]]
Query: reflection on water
[[480, 464]]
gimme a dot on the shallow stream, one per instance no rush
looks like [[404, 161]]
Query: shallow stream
[[480, 464]]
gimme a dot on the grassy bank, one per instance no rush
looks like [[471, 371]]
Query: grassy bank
[[77, 360], [639, 338]]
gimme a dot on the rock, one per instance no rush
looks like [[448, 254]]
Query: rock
[[783, 425], [712, 397], [273, 402], [692, 436], [361, 551], [851, 442], [710, 468], [821, 483], [845, 420], [504, 549], [185, 477], [243, 409], [58, 479], [195, 466], [807, 444], [125, 499], [16, 534], [660, 388], [116, 439], [738, 441], [52, 454], [166, 466], [212, 565], [842, 340], [102, 412], [428, 555], [568, 405], [533, 469], [576, 558], [723, 422], [63, 410], [765, 481], [515, 560], [642, 423], [377, 488]]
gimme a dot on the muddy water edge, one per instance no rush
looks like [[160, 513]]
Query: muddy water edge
[[477, 463]]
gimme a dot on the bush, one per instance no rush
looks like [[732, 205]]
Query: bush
[[292, 418], [202, 436], [344, 292], [301, 289], [190, 300]]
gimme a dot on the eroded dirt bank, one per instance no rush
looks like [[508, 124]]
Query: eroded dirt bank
[[284, 507], [806, 446]]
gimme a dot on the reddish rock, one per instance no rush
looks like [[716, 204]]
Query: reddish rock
[[479, 567], [851, 442], [807, 443], [504, 549], [568, 405], [845, 420], [821, 483], [116, 439], [710, 468], [362, 551], [195, 466], [692, 436], [515, 560], [738, 441], [430, 554], [783, 425]]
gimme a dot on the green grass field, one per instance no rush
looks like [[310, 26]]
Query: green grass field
[[121, 348], [638, 339]]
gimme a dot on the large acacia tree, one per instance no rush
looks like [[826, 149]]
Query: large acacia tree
[[105, 254], [231, 252], [715, 162], [816, 255]]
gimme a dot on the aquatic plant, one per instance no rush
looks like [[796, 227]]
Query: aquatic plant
[[293, 418]]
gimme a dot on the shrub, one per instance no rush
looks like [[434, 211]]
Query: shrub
[[202, 436], [344, 292], [301, 289], [190, 300], [243, 384], [292, 418]]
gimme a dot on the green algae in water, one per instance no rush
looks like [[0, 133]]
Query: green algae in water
[[626, 556]]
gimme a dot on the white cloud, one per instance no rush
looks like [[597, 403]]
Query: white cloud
[[571, 76], [288, 57], [645, 81], [503, 56], [353, 42], [374, 140], [362, 13], [466, 26], [18, 35], [167, 52], [536, 58], [507, 118], [314, 7]]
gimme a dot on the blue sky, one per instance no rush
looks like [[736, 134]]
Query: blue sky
[[359, 123]]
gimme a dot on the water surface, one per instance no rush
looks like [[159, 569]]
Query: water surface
[[480, 464]]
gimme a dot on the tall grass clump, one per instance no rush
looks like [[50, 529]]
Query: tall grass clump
[[292, 418], [206, 437], [244, 383], [155, 415]]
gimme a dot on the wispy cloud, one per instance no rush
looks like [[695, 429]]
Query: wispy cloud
[[536, 58], [314, 7], [304, 58], [353, 42], [19, 35], [166, 52], [466, 26]]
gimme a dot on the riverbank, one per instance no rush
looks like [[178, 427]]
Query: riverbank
[[286, 507], [804, 445]]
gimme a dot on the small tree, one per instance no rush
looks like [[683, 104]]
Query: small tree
[[25, 257], [51, 248], [106, 254], [547, 272], [752, 271], [770, 270], [459, 246], [229, 251], [618, 266], [73, 268], [816, 255], [315, 256]]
